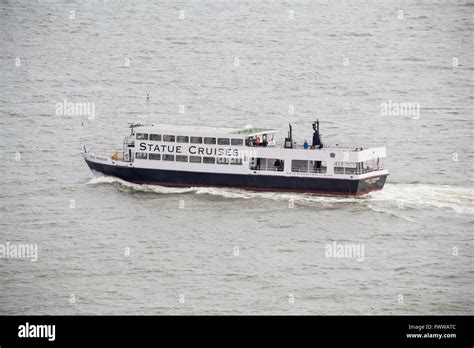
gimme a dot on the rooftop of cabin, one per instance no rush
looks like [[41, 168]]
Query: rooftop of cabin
[[176, 128]]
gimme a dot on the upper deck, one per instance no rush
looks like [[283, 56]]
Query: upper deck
[[246, 136], [247, 131]]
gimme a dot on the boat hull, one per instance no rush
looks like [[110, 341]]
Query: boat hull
[[250, 182]]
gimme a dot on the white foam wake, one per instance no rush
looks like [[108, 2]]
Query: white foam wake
[[105, 179], [459, 199]]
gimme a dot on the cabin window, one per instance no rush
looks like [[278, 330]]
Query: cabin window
[[210, 141], [196, 140], [237, 142], [299, 166], [140, 155], [345, 168], [209, 160], [168, 157], [169, 138], [154, 156], [195, 159], [317, 167], [155, 137], [269, 164], [223, 141], [222, 160], [142, 136], [236, 161], [182, 139], [181, 158]]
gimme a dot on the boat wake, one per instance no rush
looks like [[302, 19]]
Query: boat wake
[[404, 196], [459, 199], [99, 179]]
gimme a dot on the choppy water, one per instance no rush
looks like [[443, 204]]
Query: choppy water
[[417, 233]]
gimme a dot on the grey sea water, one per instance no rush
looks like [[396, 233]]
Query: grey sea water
[[109, 247]]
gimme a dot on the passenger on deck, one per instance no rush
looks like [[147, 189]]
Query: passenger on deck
[[257, 141], [305, 145], [279, 165]]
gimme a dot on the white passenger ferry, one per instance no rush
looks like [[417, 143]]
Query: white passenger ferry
[[247, 158]]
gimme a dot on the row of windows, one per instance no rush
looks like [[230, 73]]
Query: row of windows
[[266, 164], [192, 159], [299, 166], [192, 140]]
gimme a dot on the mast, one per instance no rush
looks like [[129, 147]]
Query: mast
[[317, 143], [289, 139]]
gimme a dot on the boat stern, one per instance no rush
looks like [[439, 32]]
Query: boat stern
[[375, 182]]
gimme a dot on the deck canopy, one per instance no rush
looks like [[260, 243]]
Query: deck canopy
[[191, 129]]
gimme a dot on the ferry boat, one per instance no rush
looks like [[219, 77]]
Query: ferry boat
[[246, 158]]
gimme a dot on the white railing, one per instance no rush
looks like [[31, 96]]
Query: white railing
[[322, 170], [120, 155], [266, 169], [357, 171]]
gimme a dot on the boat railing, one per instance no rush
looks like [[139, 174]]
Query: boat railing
[[322, 170], [116, 154], [335, 147], [357, 171], [267, 169], [299, 146]]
